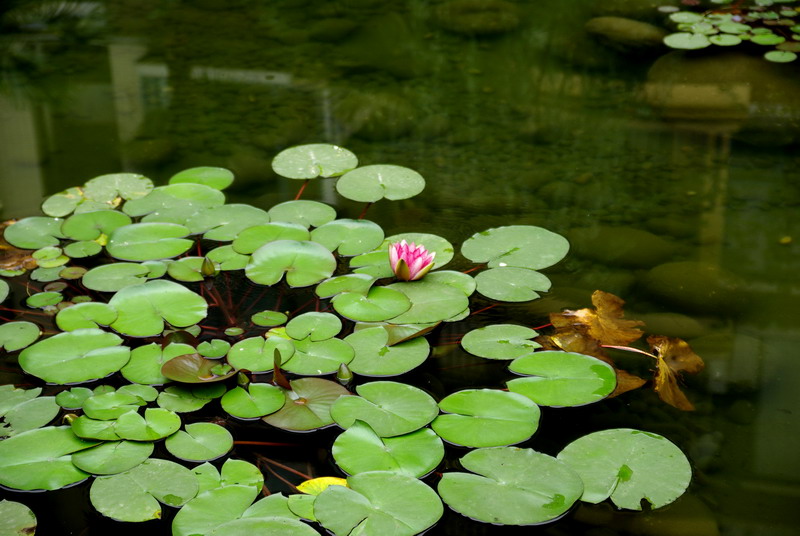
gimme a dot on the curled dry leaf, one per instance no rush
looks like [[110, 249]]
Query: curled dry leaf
[[673, 356], [604, 324]]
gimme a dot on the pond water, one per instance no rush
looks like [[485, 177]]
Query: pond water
[[675, 176]]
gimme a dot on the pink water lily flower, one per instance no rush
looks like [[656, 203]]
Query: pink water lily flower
[[410, 262]]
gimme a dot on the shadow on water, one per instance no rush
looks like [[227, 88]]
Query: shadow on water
[[674, 175]]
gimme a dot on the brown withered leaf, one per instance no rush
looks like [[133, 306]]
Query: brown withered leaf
[[13, 258], [605, 323], [673, 357], [626, 382]]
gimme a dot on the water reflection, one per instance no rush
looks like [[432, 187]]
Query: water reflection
[[675, 177]]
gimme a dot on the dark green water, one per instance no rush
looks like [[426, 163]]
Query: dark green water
[[678, 184]]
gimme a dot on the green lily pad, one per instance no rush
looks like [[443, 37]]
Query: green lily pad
[[174, 203], [511, 486], [34, 232], [148, 241], [430, 302], [316, 326], [85, 315], [135, 494], [628, 466], [686, 17], [731, 27], [211, 509], [767, 39], [305, 263], [257, 354], [252, 238], [44, 299], [500, 341], [189, 269], [73, 398], [194, 368], [16, 519], [269, 319], [234, 473], [214, 348], [463, 282], [398, 332], [22, 410], [315, 358], [378, 502], [63, 203], [375, 358], [146, 362], [562, 378], [302, 212], [201, 441], [143, 309], [224, 223], [188, 398], [106, 188], [47, 274], [302, 506], [274, 526], [82, 248], [41, 459], [18, 335], [90, 225], [313, 160], [780, 56], [307, 406], [112, 457], [109, 406], [116, 276], [374, 263], [257, 400], [4, 290], [87, 428], [686, 41], [390, 408], [359, 449], [512, 284], [520, 246], [725, 40], [486, 418], [349, 237], [380, 303], [355, 283], [156, 423], [368, 184], [227, 258], [76, 356], [213, 177]]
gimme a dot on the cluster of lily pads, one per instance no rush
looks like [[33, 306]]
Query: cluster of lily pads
[[767, 23], [160, 301]]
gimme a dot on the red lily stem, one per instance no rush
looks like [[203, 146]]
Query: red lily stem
[[229, 318], [473, 269], [228, 286], [21, 312], [301, 307], [279, 477], [364, 212], [492, 306], [628, 349], [549, 325], [302, 188], [284, 467], [266, 443]]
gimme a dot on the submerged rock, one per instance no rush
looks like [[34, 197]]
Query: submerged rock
[[478, 17], [375, 116], [696, 286], [626, 35], [621, 246]]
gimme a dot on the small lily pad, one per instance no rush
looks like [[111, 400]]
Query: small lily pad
[[194, 368], [390, 408], [562, 378], [430, 302], [17, 335], [486, 418], [305, 263], [257, 400], [687, 40], [16, 519], [349, 237], [512, 284], [380, 303], [520, 246], [629, 466], [85, 315], [359, 449], [225, 222], [23, 409], [213, 349], [316, 326], [115, 276], [511, 486], [303, 212], [148, 241], [135, 494], [315, 358], [146, 362], [215, 177], [257, 354], [156, 423], [90, 225], [368, 184], [500, 341], [34, 233], [185, 399], [201, 441], [355, 283], [44, 299], [374, 357], [313, 160], [254, 237], [307, 406], [268, 319]]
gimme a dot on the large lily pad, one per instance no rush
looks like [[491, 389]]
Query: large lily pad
[[199, 442], [23, 409], [305, 263], [628, 466], [17, 335], [512, 487], [112, 457], [313, 160], [146, 362], [107, 188], [316, 326], [254, 237], [303, 212], [390, 408], [315, 358], [562, 378], [257, 354], [257, 400], [85, 315], [174, 203], [156, 423], [373, 183], [308, 405], [90, 225], [500, 341], [143, 309], [34, 232], [148, 241], [116, 276], [430, 302], [359, 449], [520, 246], [41, 459], [380, 303], [135, 494], [486, 418], [378, 502], [355, 283], [225, 222], [76, 356], [512, 284], [375, 358]]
